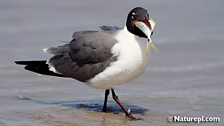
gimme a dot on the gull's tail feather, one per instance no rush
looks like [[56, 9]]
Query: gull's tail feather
[[40, 67]]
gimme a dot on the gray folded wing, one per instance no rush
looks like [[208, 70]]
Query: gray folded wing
[[110, 29], [88, 54]]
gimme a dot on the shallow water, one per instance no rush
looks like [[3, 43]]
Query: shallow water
[[185, 78]]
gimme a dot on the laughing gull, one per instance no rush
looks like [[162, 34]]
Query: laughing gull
[[103, 59]]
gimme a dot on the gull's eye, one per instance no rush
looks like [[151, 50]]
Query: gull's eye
[[133, 15]]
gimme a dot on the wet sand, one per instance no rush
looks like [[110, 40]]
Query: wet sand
[[185, 78]]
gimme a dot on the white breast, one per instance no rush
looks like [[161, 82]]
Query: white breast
[[131, 63]]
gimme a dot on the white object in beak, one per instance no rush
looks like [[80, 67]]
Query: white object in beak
[[145, 29]]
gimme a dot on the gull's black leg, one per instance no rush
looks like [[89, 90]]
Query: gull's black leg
[[115, 97], [107, 92]]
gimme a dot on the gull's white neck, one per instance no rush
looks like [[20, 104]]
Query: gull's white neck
[[131, 61]]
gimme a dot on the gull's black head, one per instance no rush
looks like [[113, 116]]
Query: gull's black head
[[139, 23]]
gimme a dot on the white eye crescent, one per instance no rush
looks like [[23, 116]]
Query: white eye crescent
[[133, 15]]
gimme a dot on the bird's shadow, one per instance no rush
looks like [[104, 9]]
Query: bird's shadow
[[90, 105]]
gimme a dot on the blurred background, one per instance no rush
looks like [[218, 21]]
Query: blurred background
[[185, 78]]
